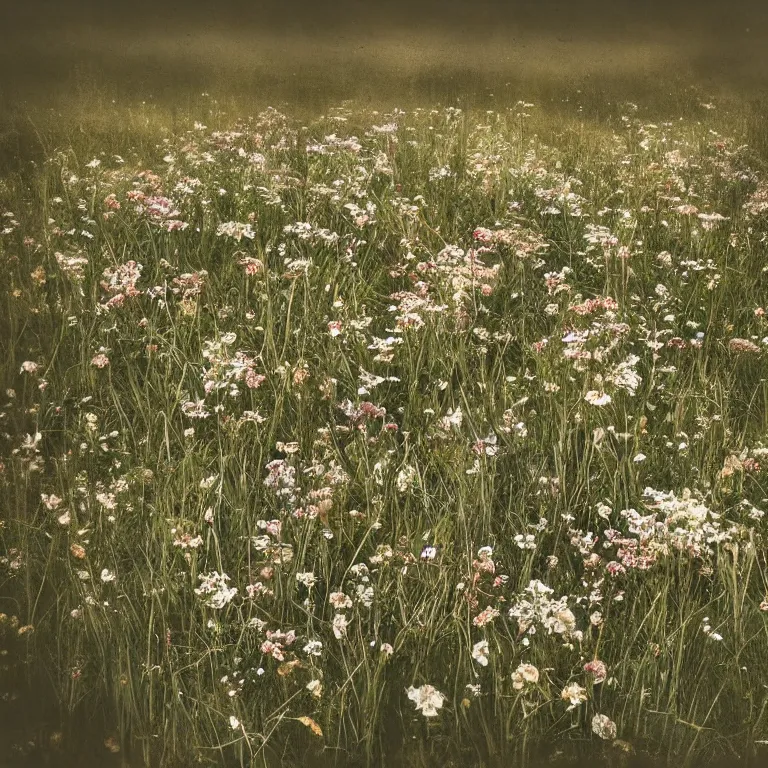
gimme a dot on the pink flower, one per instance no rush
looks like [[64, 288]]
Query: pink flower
[[598, 669]]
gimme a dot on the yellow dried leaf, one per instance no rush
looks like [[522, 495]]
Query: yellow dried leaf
[[287, 667], [311, 724]]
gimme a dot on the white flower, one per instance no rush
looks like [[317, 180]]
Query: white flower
[[207, 482], [236, 230], [593, 397], [315, 687], [707, 629], [308, 579], [340, 625], [529, 673], [107, 575], [340, 600], [51, 501], [604, 727], [313, 648], [480, 653], [427, 698], [639, 457], [214, 589], [234, 723], [575, 694]]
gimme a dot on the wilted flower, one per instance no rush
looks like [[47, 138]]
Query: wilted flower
[[604, 727], [525, 673], [485, 616], [575, 694], [340, 600], [743, 345], [78, 551]]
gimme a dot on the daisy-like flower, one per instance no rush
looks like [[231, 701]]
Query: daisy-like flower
[[480, 653], [427, 699], [107, 576]]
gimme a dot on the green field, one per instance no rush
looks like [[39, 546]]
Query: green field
[[401, 398]]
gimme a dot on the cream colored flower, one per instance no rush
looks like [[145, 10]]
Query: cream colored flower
[[575, 694], [604, 727], [427, 698], [480, 653], [593, 397]]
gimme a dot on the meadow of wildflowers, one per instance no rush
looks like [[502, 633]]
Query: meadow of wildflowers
[[426, 435]]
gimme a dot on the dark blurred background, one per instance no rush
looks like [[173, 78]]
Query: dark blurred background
[[473, 17], [77, 58]]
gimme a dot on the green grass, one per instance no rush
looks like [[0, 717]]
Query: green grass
[[569, 203]]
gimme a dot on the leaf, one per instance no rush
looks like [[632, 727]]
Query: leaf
[[311, 724]]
